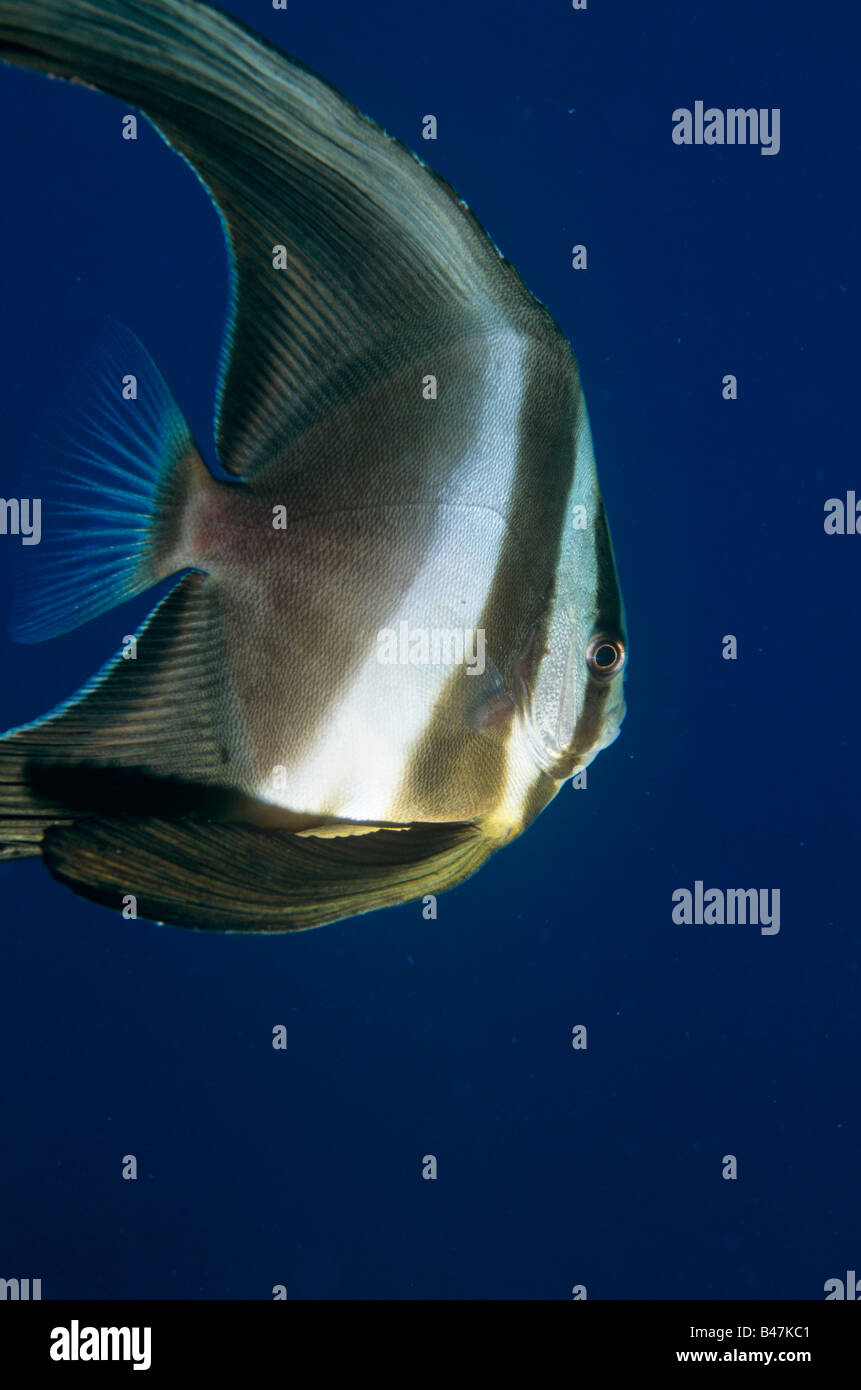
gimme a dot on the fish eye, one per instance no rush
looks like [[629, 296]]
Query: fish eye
[[605, 656]]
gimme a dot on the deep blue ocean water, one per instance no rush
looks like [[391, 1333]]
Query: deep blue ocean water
[[556, 1167]]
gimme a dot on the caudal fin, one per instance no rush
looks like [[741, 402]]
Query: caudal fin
[[143, 733], [109, 474]]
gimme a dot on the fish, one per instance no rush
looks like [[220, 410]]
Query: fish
[[396, 627]]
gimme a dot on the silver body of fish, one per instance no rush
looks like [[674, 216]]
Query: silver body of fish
[[398, 630]]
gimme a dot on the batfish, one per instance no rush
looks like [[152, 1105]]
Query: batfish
[[396, 627]]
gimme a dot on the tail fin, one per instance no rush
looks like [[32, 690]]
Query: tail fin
[[141, 732], [109, 473]]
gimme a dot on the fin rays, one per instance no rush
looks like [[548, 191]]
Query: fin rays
[[377, 249], [105, 461], [252, 879]]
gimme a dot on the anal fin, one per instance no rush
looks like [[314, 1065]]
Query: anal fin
[[237, 877]]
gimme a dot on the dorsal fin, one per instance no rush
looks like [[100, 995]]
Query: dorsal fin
[[381, 258]]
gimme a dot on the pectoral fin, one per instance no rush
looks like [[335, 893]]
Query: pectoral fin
[[255, 879]]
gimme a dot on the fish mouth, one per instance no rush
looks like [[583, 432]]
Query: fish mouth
[[612, 728], [594, 731], [578, 759]]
